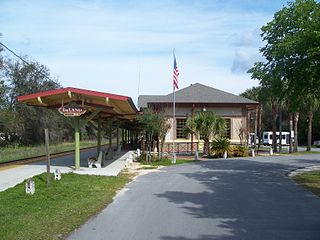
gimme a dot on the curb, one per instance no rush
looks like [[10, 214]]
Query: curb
[[304, 170]]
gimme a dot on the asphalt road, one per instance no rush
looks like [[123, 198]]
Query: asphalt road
[[219, 199]]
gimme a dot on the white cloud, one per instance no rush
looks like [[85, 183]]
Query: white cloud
[[100, 44], [248, 38]]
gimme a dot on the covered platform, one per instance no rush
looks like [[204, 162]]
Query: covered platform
[[82, 106], [9, 177]]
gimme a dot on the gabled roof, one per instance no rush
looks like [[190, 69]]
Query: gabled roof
[[110, 104], [195, 93]]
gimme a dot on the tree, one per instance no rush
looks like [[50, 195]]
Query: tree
[[220, 145], [292, 43], [311, 105], [1, 49], [20, 79], [205, 124], [3, 86], [155, 126], [292, 54], [271, 88], [163, 126], [257, 94], [4, 89]]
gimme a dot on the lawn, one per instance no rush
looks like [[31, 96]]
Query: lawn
[[310, 180], [167, 162], [54, 211], [14, 153], [301, 153], [305, 152]]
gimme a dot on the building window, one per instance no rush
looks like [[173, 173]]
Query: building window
[[227, 132], [180, 132]]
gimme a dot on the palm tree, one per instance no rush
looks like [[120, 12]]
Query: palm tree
[[220, 145], [311, 104], [271, 90], [205, 124]]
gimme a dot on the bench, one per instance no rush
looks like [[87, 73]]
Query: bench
[[97, 162]]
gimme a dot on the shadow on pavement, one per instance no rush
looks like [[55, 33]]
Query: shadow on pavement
[[250, 200]]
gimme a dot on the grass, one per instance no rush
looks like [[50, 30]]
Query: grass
[[167, 162], [14, 153], [310, 181], [305, 152], [54, 211], [148, 168]]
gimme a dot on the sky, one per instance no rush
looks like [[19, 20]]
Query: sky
[[126, 46]]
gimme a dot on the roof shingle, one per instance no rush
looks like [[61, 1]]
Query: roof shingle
[[195, 93]]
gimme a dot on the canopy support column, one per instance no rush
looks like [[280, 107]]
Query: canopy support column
[[118, 137], [77, 143], [110, 144], [77, 123], [99, 137]]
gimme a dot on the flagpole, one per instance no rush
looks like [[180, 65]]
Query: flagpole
[[174, 126], [174, 122]]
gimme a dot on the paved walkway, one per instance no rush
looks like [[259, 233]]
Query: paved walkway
[[17, 174], [248, 198]]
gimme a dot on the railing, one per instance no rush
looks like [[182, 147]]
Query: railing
[[181, 147]]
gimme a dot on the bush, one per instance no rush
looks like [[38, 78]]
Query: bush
[[143, 158], [220, 145], [239, 151]]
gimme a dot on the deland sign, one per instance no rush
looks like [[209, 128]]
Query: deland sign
[[72, 110]]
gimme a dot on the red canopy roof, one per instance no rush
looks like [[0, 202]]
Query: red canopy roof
[[110, 104]]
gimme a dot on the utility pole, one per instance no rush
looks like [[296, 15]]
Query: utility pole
[[46, 136]]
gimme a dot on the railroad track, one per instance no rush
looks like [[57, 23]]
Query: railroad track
[[41, 157]]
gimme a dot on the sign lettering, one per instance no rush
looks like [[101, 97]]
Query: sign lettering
[[72, 110]]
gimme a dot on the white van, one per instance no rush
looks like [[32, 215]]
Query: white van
[[268, 136], [251, 139]]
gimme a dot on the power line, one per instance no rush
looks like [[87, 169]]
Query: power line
[[24, 61]]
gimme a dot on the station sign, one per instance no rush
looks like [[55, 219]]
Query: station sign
[[72, 110]]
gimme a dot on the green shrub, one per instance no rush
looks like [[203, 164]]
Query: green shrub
[[220, 145], [143, 158], [239, 151]]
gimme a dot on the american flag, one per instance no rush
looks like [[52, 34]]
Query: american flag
[[175, 73]]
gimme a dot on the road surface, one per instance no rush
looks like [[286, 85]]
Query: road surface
[[249, 198]]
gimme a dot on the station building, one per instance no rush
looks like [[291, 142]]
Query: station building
[[198, 97]]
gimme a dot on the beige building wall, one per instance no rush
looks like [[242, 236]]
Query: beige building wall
[[221, 111], [170, 133], [237, 122]]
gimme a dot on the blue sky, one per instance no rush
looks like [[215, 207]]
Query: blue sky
[[101, 45]]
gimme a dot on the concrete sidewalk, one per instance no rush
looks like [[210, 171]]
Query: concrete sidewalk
[[16, 174]]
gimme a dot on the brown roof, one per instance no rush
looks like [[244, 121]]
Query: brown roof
[[195, 93]]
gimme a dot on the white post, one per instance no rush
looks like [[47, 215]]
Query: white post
[[225, 154], [30, 186], [57, 175], [252, 152], [271, 151], [196, 155]]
